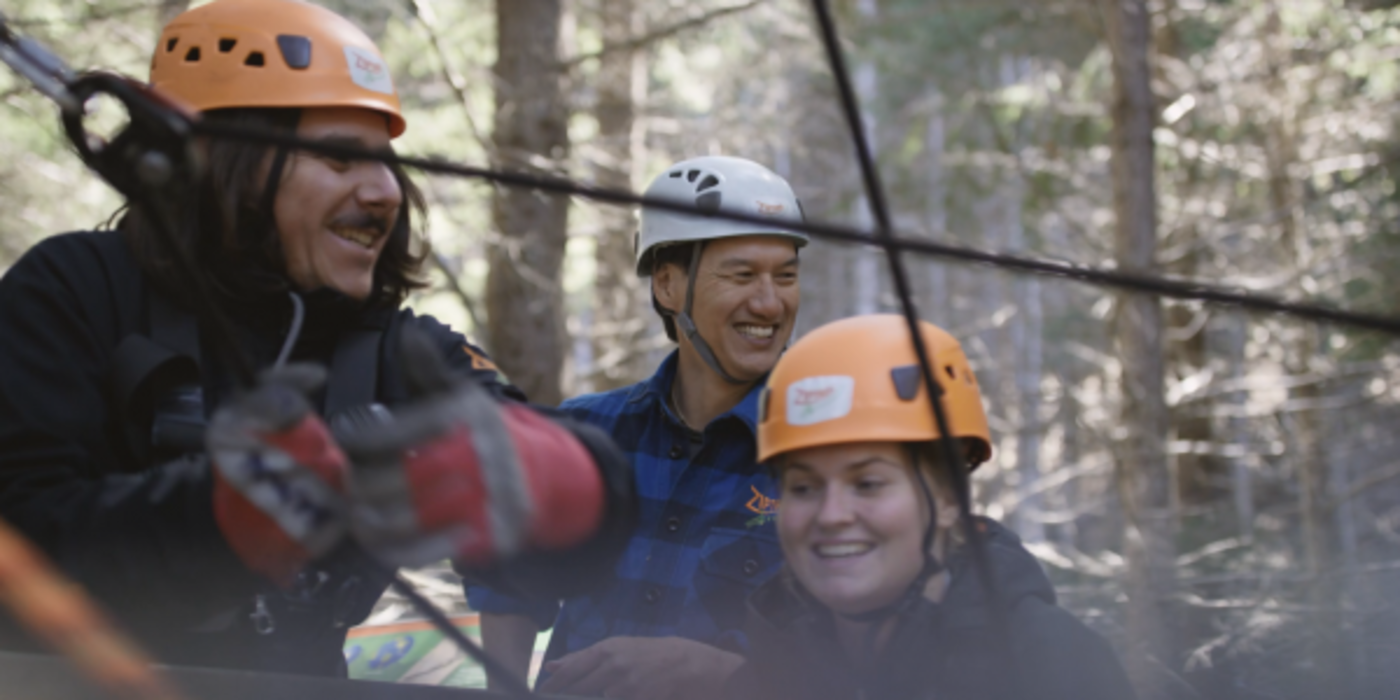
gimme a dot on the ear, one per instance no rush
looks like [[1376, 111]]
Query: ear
[[668, 286]]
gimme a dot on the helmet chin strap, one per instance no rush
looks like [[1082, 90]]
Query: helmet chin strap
[[687, 324]]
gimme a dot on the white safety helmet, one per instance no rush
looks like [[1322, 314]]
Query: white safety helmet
[[716, 183]]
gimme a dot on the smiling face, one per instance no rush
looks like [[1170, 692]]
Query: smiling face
[[851, 520], [746, 298], [333, 217]]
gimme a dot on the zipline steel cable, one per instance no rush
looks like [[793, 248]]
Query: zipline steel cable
[[1186, 290], [1159, 285]]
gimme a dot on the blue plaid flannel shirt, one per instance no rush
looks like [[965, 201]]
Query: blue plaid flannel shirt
[[705, 536]]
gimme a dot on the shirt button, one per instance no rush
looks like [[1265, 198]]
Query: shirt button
[[673, 524], [677, 451], [652, 595], [750, 567]]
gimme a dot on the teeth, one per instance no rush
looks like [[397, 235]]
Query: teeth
[[756, 331], [363, 236], [836, 551]]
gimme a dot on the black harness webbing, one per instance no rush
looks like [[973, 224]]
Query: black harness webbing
[[169, 356], [173, 328], [137, 360], [354, 372], [173, 344]]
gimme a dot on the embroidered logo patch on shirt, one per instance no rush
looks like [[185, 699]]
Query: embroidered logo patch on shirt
[[766, 508], [368, 70], [819, 399], [479, 361]]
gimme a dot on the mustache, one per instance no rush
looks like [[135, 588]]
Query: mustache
[[363, 219]]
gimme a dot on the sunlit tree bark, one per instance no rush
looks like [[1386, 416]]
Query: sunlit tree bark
[[1143, 479], [621, 313], [524, 298]]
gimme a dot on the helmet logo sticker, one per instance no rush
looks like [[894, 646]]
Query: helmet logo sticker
[[819, 399], [368, 70], [770, 209]]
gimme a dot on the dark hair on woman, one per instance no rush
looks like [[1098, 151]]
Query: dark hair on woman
[[230, 233]]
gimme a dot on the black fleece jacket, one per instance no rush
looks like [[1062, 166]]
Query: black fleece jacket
[[140, 536], [938, 651]]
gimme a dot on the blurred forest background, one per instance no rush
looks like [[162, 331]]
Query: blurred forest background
[[1216, 492]]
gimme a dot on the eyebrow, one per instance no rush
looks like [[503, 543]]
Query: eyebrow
[[350, 142], [854, 466], [730, 263]]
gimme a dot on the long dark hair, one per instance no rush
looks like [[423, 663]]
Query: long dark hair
[[229, 231]]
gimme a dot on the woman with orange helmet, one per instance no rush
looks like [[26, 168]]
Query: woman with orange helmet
[[214, 520], [879, 597]]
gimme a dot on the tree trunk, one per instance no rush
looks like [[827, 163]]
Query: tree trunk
[[1028, 331], [1143, 478], [524, 299], [932, 287], [620, 299], [1234, 336], [866, 261], [1307, 422]]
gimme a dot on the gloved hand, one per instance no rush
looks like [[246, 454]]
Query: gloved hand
[[455, 474], [278, 475]]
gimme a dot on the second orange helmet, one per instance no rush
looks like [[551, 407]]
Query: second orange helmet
[[858, 380]]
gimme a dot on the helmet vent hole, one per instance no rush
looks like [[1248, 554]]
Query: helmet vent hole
[[677, 174], [296, 50], [707, 183], [692, 175], [255, 59], [170, 43], [906, 381], [709, 202], [226, 45], [192, 56]]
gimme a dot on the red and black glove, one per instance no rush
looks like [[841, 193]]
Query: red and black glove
[[278, 475], [455, 474]]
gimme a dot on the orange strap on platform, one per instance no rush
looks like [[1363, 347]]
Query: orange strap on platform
[[57, 611]]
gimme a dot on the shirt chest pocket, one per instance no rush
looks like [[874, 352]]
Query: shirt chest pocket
[[732, 564]]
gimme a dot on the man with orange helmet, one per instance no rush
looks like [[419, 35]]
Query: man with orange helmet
[[219, 523], [879, 597]]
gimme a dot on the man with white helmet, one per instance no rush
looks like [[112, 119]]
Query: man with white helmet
[[670, 625]]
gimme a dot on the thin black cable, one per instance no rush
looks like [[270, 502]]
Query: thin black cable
[[952, 458], [1115, 279]]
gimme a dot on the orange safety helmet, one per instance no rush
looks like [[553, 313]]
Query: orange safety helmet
[[272, 53], [858, 380]]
